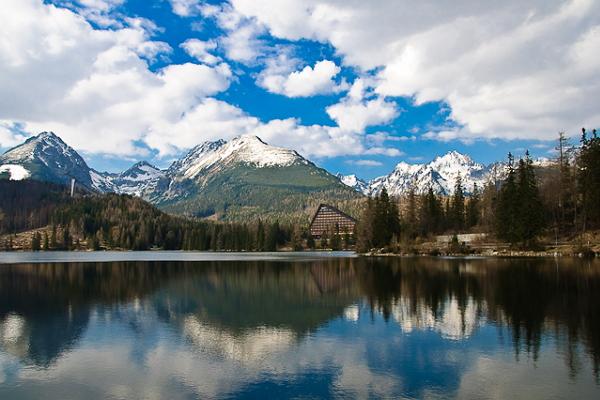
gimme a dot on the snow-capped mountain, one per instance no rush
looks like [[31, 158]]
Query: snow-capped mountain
[[246, 149], [440, 175], [46, 157], [355, 183], [201, 164], [139, 180]]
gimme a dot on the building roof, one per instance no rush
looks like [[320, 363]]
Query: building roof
[[322, 205]]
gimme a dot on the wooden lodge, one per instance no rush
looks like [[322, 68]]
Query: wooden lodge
[[329, 220]]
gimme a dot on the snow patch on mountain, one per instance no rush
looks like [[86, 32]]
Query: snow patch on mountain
[[139, 180], [355, 183], [440, 175], [246, 149], [47, 157], [15, 172]]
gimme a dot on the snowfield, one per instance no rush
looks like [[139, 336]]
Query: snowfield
[[15, 172]]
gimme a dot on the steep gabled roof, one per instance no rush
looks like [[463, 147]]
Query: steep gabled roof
[[322, 205]]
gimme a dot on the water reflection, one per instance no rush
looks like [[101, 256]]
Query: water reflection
[[392, 327]]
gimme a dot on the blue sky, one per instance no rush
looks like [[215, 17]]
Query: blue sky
[[355, 88]]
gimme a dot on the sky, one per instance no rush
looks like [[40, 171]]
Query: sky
[[356, 86]]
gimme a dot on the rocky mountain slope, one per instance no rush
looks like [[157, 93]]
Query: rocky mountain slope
[[244, 178], [440, 175], [46, 157]]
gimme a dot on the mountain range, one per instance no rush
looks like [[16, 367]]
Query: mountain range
[[241, 178]]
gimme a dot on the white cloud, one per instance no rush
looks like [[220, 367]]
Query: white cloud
[[101, 5], [200, 50], [510, 69], [365, 163], [92, 86], [384, 151], [379, 138], [95, 89], [185, 8], [101, 12], [357, 111], [241, 39], [307, 82], [9, 135]]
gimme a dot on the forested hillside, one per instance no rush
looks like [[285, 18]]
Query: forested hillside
[[534, 205], [120, 222]]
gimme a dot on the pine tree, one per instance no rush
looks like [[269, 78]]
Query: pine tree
[[46, 245], [260, 236], [472, 213], [411, 215], [507, 206], [519, 213], [458, 206], [53, 240], [588, 180], [271, 237], [381, 229], [430, 214], [336, 241], [531, 214], [324, 242], [67, 240], [296, 239], [36, 240], [310, 241], [364, 228]]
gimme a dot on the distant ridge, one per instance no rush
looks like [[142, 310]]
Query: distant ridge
[[244, 178]]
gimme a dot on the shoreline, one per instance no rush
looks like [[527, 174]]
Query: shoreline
[[188, 255]]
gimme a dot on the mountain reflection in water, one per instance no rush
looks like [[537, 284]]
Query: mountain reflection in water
[[344, 327]]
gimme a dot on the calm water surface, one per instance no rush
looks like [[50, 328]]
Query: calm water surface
[[298, 326]]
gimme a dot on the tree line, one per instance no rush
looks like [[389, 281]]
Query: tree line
[[521, 203], [57, 221], [114, 221]]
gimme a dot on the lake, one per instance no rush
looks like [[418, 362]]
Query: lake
[[175, 325]]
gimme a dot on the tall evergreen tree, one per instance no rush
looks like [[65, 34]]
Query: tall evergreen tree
[[531, 211], [410, 222], [364, 228], [458, 206], [473, 207], [520, 216], [588, 180], [430, 214], [36, 240], [507, 206], [46, 245]]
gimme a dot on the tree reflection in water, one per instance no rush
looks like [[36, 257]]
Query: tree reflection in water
[[249, 311]]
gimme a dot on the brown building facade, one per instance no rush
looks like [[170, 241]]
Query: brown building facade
[[329, 220]]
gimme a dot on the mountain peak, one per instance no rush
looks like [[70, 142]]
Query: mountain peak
[[440, 175], [51, 157], [48, 134], [354, 182], [454, 157], [249, 138]]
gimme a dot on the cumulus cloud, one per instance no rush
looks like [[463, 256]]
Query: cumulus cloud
[[94, 87], [91, 86], [358, 110], [241, 40], [185, 8], [10, 135], [101, 12], [200, 50], [510, 69], [307, 82]]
